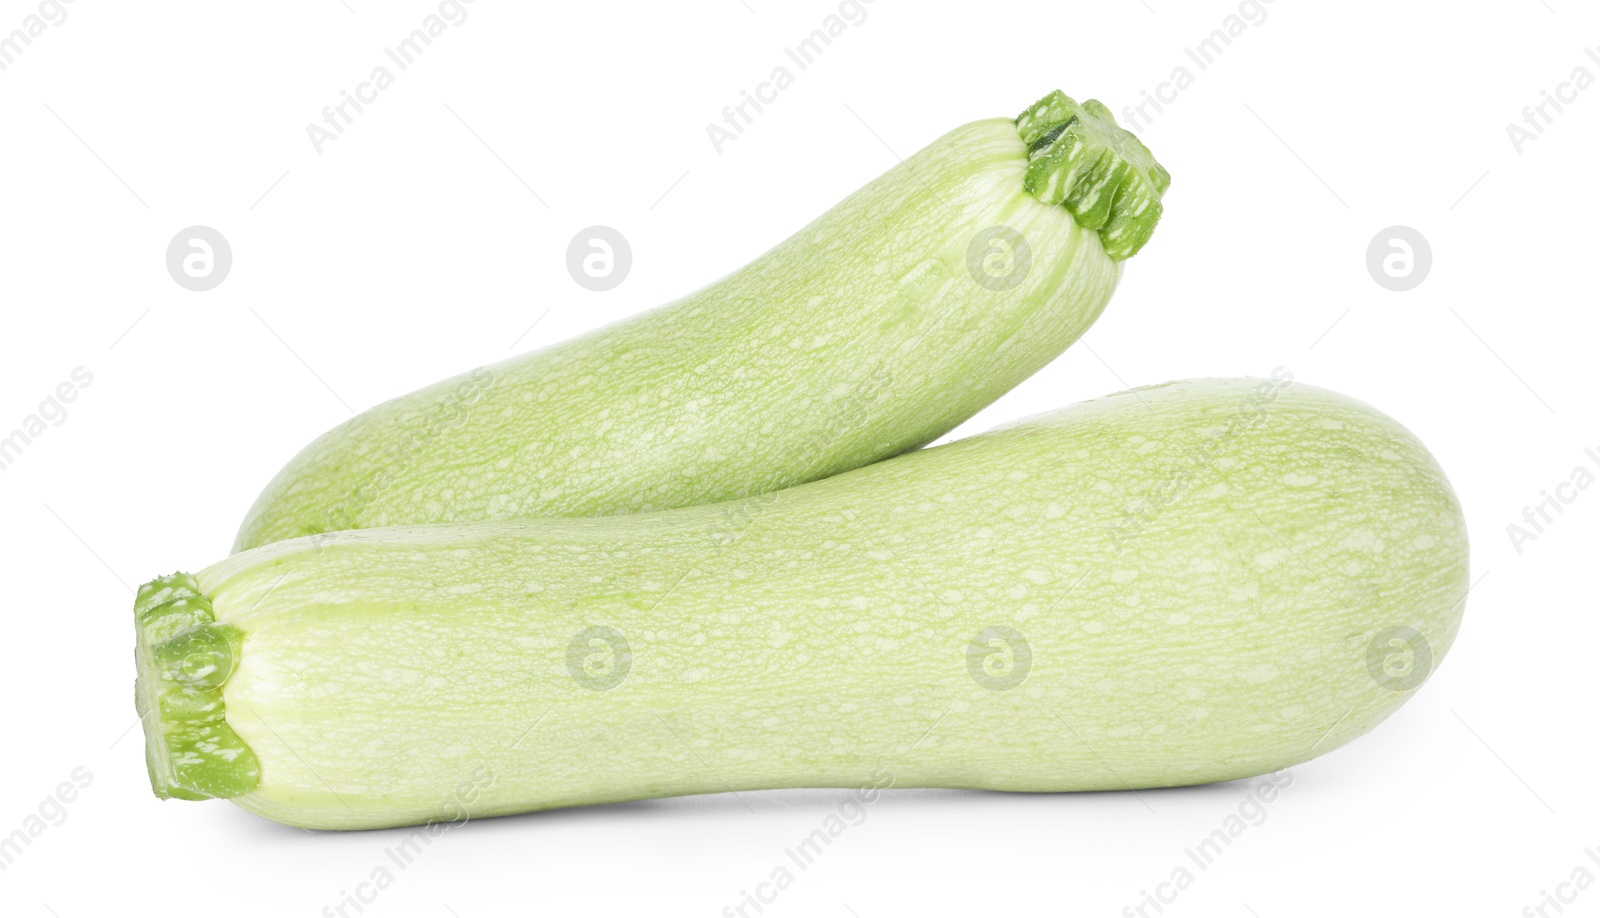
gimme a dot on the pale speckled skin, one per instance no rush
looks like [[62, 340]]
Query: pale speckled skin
[[861, 336], [814, 636]]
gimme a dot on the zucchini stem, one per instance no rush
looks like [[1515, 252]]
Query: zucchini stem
[[1080, 158], [184, 657]]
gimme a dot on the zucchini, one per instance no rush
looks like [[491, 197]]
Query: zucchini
[[892, 318], [1181, 584]]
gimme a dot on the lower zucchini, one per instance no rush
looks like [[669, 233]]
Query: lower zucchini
[[1176, 585]]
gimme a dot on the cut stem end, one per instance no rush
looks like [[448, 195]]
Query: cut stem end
[[184, 657], [1080, 158]]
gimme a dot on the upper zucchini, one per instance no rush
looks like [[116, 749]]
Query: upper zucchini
[[892, 318]]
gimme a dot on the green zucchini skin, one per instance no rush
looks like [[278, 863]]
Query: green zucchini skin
[[1212, 579], [864, 335]]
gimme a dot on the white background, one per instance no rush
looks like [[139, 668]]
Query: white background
[[432, 234]]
